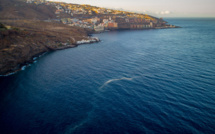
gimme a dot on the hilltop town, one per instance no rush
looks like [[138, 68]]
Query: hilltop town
[[100, 19]]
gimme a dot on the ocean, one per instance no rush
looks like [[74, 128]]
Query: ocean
[[132, 82]]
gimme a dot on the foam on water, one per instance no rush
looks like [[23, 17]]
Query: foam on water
[[23, 67], [112, 80], [8, 74]]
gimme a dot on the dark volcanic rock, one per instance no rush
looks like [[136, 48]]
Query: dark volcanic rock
[[19, 45]]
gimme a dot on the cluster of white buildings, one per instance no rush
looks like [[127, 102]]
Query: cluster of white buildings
[[92, 23], [70, 11], [109, 19], [37, 1], [77, 22]]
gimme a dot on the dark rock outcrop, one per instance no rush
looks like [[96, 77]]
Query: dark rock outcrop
[[20, 45]]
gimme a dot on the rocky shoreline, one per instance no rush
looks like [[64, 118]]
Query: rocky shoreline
[[47, 43], [33, 58], [19, 46]]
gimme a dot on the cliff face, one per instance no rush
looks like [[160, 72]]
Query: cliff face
[[17, 48], [19, 45]]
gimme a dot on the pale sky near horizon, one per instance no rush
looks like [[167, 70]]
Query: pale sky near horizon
[[159, 8]]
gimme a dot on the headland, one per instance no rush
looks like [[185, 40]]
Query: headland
[[29, 28]]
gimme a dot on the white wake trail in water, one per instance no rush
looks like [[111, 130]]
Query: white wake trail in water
[[112, 80]]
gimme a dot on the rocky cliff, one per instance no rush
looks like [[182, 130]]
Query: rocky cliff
[[25, 33], [20, 44]]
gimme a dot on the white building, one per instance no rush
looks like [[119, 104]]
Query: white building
[[99, 28], [38, 1], [29, 1], [105, 21]]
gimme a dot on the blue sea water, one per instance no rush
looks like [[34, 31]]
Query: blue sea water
[[144, 81]]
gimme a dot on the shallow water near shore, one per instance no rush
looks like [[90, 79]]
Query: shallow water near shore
[[144, 81]]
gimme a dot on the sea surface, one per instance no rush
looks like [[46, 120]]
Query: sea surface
[[132, 82]]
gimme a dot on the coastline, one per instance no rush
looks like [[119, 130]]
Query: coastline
[[36, 30], [88, 40], [26, 64], [34, 58], [21, 44]]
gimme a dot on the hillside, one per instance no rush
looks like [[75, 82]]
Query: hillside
[[20, 45], [23, 35], [19, 9]]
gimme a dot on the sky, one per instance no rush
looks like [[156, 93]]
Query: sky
[[158, 8]]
